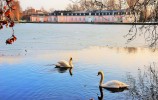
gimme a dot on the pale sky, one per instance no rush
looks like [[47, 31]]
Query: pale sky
[[47, 4]]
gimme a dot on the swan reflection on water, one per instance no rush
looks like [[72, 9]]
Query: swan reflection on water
[[101, 93], [64, 69], [112, 90]]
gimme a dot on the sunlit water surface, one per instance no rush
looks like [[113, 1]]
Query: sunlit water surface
[[27, 71]]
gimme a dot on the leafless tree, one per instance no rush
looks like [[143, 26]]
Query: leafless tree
[[147, 10], [73, 7], [43, 10], [51, 10], [82, 5], [144, 13], [145, 87]]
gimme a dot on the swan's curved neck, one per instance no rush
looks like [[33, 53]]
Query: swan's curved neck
[[102, 79], [70, 62]]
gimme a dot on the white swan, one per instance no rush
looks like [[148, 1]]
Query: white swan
[[111, 84], [65, 64]]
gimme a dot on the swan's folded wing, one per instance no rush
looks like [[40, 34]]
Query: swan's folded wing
[[121, 84], [63, 63], [111, 84], [115, 84]]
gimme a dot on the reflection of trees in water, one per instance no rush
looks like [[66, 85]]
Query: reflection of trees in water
[[125, 49], [145, 86], [131, 49]]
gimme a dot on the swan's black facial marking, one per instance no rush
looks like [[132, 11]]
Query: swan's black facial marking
[[70, 58], [99, 73]]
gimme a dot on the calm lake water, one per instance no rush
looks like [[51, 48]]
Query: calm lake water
[[27, 71]]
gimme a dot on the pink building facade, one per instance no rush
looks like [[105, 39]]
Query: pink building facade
[[83, 17], [71, 19]]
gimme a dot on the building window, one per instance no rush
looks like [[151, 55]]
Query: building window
[[103, 19], [55, 19], [109, 19], [80, 19], [112, 18], [50, 19], [100, 18]]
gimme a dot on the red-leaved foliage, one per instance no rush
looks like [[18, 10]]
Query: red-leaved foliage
[[6, 20], [11, 40]]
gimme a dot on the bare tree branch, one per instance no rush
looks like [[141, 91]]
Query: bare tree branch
[[142, 11]]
